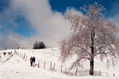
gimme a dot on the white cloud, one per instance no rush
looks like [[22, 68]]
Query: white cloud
[[51, 26]]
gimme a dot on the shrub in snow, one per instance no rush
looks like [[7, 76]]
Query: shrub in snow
[[39, 45]]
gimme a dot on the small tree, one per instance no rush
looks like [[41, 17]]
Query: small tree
[[35, 46], [39, 45], [91, 36]]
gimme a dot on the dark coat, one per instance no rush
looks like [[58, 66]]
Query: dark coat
[[33, 59]]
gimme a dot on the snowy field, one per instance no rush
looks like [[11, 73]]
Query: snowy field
[[16, 65]]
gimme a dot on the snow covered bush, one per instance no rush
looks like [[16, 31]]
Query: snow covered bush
[[39, 45]]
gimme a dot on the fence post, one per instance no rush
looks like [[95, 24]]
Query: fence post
[[44, 64], [25, 58], [54, 66], [113, 74], [50, 65], [65, 69], [23, 55], [61, 68], [76, 71], [38, 64], [20, 55], [100, 73]]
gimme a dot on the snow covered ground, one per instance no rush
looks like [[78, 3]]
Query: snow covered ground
[[17, 66]]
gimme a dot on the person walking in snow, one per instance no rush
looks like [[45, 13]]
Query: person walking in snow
[[31, 62]]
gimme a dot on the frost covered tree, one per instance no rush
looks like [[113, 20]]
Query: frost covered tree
[[91, 35]]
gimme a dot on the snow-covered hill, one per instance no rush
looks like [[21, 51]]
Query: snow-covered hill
[[17, 66]]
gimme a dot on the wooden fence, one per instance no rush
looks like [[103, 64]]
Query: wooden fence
[[52, 66]]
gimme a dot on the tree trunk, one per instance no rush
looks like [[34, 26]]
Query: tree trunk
[[92, 67], [92, 53]]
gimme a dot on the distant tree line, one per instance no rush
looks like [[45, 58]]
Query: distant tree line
[[39, 45]]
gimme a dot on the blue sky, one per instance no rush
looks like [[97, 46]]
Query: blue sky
[[40, 19], [19, 24], [61, 5]]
